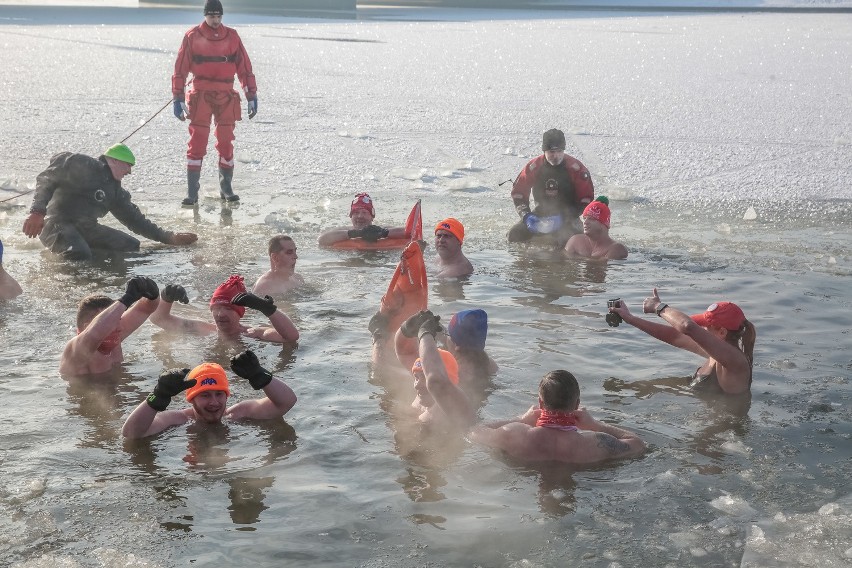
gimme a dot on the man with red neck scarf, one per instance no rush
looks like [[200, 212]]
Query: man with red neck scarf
[[103, 323], [228, 306], [558, 429]]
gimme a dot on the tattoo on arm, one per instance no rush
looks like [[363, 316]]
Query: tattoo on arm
[[611, 444]]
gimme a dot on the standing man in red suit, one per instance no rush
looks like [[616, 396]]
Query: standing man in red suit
[[213, 53]]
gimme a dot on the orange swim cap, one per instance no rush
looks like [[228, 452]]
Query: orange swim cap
[[209, 377], [452, 225], [450, 364]]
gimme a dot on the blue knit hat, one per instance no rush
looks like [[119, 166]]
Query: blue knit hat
[[468, 329]]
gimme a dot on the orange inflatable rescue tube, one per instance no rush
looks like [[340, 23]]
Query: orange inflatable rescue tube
[[413, 232]]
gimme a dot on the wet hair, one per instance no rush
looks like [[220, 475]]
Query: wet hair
[[559, 390], [90, 306], [275, 244], [744, 339]]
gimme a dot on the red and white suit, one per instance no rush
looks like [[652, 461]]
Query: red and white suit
[[213, 56]]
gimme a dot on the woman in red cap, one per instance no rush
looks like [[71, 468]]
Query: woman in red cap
[[721, 333]]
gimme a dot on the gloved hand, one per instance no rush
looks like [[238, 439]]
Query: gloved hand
[[139, 287], [34, 224], [373, 233], [182, 239], [542, 225], [180, 109], [411, 326], [1, 252], [249, 300], [431, 326], [171, 383], [251, 106], [248, 367], [377, 325], [175, 293]]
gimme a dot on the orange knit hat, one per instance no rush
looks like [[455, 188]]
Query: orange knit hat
[[452, 225], [450, 364], [209, 377]]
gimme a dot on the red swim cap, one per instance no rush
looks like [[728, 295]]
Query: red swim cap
[[362, 201], [722, 314], [226, 292]]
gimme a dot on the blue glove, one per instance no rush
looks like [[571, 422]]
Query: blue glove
[[542, 225], [1, 252], [252, 107], [181, 112]]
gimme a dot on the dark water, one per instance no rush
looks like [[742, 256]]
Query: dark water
[[348, 479]]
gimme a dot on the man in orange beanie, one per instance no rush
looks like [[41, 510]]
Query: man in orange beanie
[[452, 263], [207, 390], [228, 305], [361, 213], [595, 241]]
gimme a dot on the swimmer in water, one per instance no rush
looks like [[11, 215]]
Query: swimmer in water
[[207, 391], [439, 399], [103, 323], [721, 333], [558, 429], [595, 242], [228, 305], [452, 263], [9, 287], [362, 212], [281, 276]]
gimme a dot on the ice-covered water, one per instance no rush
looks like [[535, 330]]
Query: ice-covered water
[[723, 143]]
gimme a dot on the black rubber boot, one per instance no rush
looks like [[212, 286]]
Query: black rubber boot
[[193, 183], [225, 189]]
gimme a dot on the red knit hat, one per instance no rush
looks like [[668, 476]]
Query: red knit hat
[[226, 292], [208, 377], [450, 364], [598, 210], [722, 314], [362, 201]]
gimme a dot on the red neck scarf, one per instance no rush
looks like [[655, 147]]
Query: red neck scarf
[[556, 419]]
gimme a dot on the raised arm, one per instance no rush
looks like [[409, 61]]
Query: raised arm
[[279, 397], [667, 333], [164, 318], [151, 416], [283, 328]]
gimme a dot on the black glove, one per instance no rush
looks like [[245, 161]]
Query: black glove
[[378, 324], [411, 326], [373, 233], [175, 293], [431, 325], [249, 300], [248, 367], [171, 383], [139, 287]]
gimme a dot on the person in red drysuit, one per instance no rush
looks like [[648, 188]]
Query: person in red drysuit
[[213, 53]]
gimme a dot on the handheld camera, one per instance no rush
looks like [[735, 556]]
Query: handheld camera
[[612, 318]]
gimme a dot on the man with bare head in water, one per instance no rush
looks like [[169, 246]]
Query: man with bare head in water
[[103, 323]]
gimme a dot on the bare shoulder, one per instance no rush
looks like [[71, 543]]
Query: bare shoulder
[[617, 251]]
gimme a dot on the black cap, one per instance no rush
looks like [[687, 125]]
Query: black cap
[[213, 7], [553, 139]]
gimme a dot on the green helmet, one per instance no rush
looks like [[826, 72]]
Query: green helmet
[[122, 153]]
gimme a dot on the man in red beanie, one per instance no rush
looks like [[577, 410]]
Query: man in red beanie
[[213, 54], [361, 213], [560, 185], [228, 305], [595, 241], [452, 263], [207, 391]]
